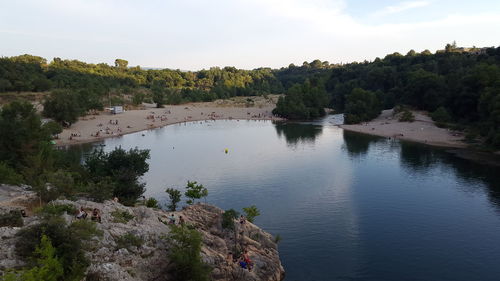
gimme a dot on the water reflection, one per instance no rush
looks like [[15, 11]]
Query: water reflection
[[296, 133], [358, 144]]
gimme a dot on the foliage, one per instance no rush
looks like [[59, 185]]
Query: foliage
[[175, 197], [228, 218], [361, 105], [53, 209], [441, 115], [195, 191], [9, 176], [63, 106], [251, 212], [152, 203], [123, 168], [185, 255], [12, 219], [101, 189], [47, 266], [128, 240], [277, 238], [406, 116], [68, 240], [121, 216], [306, 101]]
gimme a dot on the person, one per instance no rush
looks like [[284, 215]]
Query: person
[[242, 263], [23, 213], [96, 216], [115, 199], [229, 258], [181, 220], [247, 260], [171, 219], [81, 214], [242, 220]]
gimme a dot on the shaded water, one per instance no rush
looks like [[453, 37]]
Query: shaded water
[[348, 206]]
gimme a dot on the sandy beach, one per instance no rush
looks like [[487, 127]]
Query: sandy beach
[[422, 130], [92, 128]]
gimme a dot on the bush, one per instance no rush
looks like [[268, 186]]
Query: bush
[[127, 241], [12, 219], [9, 175], [228, 218], [68, 241], [185, 255], [251, 212], [152, 203], [441, 115], [121, 216], [100, 190], [58, 209], [175, 197], [195, 191], [407, 116]]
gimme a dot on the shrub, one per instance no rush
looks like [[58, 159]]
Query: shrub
[[47, 266], [9, 175], [100, 190], [441, 115], [175, 197], [228, 218], [185, 255], [195, 191], [251, 212], [152, 203], [58, 209], [12, 219], [277, 238], [407, 116], [68, 241], [121, 216], [127, 241]]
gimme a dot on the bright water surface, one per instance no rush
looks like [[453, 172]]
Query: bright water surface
[[348, 206]]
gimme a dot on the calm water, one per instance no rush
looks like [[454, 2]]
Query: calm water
[[348, 206]]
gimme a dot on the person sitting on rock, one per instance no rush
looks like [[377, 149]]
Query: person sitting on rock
[[171, 219], [229, 258], [81, 214], [242, 220], [247, 260], [95, 215], [242, 263], [181, 221]]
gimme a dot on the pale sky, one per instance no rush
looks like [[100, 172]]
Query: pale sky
[[197, 34]]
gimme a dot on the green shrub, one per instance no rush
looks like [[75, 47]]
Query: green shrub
[[407, 116], [9, 175], [251, 212], [100, 190], [175, 197], [184, 253], [127, 241], [68, 240], [277, 238], [12, 219], [121, 216], [441, 115], [228, 218], [58, 209], [152, 203]]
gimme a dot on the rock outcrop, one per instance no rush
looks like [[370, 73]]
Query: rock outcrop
[[150, 260]]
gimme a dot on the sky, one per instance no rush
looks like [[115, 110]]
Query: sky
[[199, 34]]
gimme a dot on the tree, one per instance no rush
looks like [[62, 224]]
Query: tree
[[184, 254], [158, 89], [251, 212], [63, 106], [195, 191], [48, 267], [361, 106], [123, 168], [175, 197], [121, 64]]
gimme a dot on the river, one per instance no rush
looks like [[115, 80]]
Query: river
[[347, 206]]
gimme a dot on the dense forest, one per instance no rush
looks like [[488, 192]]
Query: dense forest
[[457, 85]]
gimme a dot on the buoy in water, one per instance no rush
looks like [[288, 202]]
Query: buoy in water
[[226, 150]]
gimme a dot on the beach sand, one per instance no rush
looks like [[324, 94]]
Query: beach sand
[[422, 130], [92, 128]]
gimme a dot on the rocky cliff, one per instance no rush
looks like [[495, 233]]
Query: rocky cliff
[[150, 260]]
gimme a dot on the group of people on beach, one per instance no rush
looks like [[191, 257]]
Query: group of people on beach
[[95, 216]]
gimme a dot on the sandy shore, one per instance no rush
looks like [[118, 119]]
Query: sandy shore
[[97, 127], [422, 130]]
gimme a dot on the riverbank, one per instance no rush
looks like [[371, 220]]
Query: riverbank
[[104, 125], [422, 130]]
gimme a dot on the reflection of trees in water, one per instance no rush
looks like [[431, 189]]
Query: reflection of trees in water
[[295, 133], [421, 158], [358, 144]]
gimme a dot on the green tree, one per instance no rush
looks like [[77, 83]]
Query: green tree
[[63, 106], [175, 198], [228, 218], [121, 64], [251, 212], [195, 191], [361, 105], [184, 254]]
